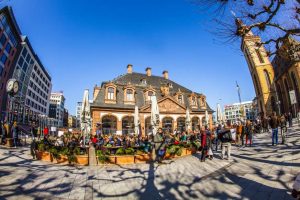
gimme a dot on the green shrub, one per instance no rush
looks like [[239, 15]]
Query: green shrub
[[55, 153], [77, 151], [41, 147], [175, 150], [129, 151], [120, 151], [140, 152], [102, 156], [64, 151], [72, 159]]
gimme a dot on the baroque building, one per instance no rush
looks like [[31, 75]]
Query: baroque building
[[275, 80], [114, 103]]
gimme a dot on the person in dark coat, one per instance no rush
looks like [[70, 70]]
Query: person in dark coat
[[249, 133], [283, 127], [274, 123], [3, 133]]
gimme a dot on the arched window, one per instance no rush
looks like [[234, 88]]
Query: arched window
[[268, 80], [128, 125], [296, 87], [148, 125], [109, 124], [167, 124], [260, 57], [111, 93], [256, 85], [180, 99], [194, 101], [129, 95], [181, 123], [195, 123]]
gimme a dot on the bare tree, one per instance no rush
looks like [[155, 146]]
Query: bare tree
[[273, 20]]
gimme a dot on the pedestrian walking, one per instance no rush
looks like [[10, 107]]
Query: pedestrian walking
[[204, 147], [3, 133], [290, 119], [226, 139], [249, 133], [239, 129], [283, 128], [274, 125], [159, 146], [243, 133], [15, 134], [218, 130]]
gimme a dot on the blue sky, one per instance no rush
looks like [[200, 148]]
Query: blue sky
[[83, 44]]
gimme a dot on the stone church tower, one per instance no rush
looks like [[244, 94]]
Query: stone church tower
[[262, 73]]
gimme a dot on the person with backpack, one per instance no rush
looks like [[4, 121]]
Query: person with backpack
[[283, 128], [226, 139], [274, 124], [159, 145]]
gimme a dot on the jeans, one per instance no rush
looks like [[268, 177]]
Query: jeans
[[217, 143], [275, 136], [227, 146], [15, 142]]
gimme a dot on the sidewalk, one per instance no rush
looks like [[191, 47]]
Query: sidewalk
[[261, 172]]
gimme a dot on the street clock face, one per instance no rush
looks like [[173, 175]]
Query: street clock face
[[10, 85], [16, 87]]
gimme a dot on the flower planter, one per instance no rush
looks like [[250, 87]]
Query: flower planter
[[126, 159], [44, 156], [63, 160], [190, 151], [168, 156], [143, 158], [82, 160]]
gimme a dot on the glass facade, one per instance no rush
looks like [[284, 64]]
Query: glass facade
[[7, 42]]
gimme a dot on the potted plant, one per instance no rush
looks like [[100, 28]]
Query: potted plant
[[42, 153], [103, 156], [122, 158], [142, 157], [81, 157]]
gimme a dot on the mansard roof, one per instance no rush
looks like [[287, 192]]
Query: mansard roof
[[152, 82]]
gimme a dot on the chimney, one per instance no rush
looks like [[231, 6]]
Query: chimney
[[166, 74], [148, 71], [129, 69]]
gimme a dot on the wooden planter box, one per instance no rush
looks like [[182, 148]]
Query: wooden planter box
[[63, 160], [143, 158], [168, 156], [190, 151], [82, 160], [44, 156], [126, 159]]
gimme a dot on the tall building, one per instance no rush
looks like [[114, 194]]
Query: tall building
[[114, 103], [72, 123], [34, 83], [261, 71], [57, 107], [240, 111], [66, 118], [10, 45], [276, 83]]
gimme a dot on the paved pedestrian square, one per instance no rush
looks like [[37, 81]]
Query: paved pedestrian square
[[261, 172]]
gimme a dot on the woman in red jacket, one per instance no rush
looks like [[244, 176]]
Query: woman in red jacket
[[203, 144]]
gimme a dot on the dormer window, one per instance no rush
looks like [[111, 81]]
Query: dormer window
[[144, 81], [180, 99], [129, 95], [194, 101], [111, 93]]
